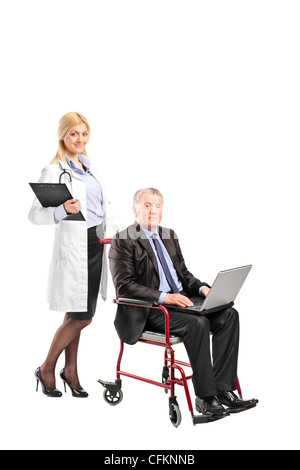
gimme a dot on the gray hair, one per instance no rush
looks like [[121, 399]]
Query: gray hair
[[137, 196]]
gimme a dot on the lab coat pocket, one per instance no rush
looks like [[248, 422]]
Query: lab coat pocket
[[66, 241]]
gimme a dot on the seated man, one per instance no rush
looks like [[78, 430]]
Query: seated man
[[146, 263]]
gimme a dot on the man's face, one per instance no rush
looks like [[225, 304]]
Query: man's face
[[148, 211]]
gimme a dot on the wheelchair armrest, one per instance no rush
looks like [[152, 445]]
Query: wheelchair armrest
[[141, 303], [145, 303]]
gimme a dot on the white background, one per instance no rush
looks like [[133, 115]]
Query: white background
[[197, 98]]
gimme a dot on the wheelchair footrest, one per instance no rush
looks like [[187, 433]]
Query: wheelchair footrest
[[251, 404], [203, 419], [199, 419], [112, 387]]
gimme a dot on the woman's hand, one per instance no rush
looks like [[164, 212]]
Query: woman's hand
[[72, 206]]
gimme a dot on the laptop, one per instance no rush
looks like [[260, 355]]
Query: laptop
[[222, 293]]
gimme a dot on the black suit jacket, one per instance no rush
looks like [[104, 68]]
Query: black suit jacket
[[134, 271]]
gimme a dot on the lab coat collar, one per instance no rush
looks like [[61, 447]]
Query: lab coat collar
[[65, 166]]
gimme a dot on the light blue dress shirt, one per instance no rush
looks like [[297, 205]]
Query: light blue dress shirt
[[164, 285], [94, 197]]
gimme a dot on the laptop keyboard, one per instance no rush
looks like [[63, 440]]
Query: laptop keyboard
[[197, 304]]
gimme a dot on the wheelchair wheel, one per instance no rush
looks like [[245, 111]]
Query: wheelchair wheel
[[175, 415], [113, 399]]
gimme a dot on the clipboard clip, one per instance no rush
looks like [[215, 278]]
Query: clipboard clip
[[68, 173]]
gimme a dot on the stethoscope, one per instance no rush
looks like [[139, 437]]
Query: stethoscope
[[68, 173]]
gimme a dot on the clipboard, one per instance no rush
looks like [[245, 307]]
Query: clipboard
[[53, 195]]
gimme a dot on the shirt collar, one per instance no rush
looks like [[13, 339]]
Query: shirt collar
[[148, 233], [82, 158]]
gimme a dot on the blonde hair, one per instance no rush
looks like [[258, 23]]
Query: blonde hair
[[66, 123]]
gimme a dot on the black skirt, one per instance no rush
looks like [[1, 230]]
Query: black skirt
[[95, 253]]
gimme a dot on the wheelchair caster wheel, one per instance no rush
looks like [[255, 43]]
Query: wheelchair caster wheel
[[113, 399], [112, 393], [174, 412]]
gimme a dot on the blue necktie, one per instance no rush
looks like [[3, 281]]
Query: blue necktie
[[164, 265]]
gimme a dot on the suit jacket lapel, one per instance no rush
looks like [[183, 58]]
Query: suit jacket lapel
[[167, 241], [143, 240]]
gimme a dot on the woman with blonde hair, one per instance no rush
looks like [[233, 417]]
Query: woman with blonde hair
[[78, 268]]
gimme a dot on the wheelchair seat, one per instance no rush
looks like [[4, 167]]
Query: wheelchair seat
[[160, 337]]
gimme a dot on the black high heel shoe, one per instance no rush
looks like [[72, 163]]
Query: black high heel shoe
[[75, 393], [49, 392]]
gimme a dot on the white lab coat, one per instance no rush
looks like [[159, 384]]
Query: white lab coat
[[68, 277]]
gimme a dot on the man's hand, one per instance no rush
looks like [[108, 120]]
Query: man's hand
[[178, 299], [205, 291]]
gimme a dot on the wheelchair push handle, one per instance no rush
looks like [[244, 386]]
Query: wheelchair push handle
[[105, 241]]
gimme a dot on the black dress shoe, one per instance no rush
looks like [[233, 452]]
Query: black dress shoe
[[75, 393], [49, 392], [235, 404], [210, 406]]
